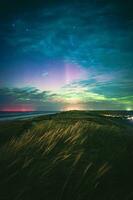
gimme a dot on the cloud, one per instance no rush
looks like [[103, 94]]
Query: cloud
[[27, 96], [95, 35], [84, 34], [72, 95], [44, 74]]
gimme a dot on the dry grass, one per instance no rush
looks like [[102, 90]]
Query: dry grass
[[67, 159]]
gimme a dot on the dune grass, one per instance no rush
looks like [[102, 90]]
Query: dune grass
[[68, 156]]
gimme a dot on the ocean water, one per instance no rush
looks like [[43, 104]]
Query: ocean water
[[4, 116]]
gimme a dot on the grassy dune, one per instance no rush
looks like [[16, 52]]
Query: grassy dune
[[67, 156]]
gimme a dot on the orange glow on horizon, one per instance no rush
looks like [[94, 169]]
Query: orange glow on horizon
[[74, 107], [17, 109]]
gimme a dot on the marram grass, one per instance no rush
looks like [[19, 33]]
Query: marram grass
[[68, 158]]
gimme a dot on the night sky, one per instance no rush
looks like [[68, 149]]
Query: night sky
[[66, 55]]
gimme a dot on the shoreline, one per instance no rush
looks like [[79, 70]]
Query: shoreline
[[24, 116]]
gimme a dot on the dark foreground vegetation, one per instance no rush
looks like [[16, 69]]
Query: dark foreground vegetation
[[67, 156]]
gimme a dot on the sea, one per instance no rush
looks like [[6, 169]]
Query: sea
[[7, 116]]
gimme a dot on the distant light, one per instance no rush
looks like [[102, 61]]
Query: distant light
[[129, 109], [74, 107], [130, 118]]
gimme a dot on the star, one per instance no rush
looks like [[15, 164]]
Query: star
[[13, 25], [27, 29]]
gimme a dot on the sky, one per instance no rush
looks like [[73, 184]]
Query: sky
[[66, 55]]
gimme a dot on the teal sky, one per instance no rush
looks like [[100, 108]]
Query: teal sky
[[64, 55]]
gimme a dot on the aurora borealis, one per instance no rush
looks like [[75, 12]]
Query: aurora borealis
[[64, 55]]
